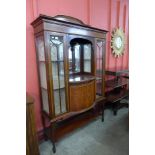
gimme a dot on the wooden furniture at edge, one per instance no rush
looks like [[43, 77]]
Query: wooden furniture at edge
[[117, 89], [71, 61], [31, 135]]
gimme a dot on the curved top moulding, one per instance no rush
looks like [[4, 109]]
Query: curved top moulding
[[68, 19]]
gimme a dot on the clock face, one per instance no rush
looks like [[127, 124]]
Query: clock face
[[118, 42]]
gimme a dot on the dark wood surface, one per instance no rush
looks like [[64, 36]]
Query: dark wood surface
[[117, 96], [31, 135], [71, 21], [116, 72], [80, 90], [117, 89], [66, 125], [56, 28], [116, 83]]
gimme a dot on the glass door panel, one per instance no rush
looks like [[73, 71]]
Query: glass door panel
[[54, 56], [45, 100], [42, 70], [57, 102], [63, 100], [55, 75], [61, 54], [58, 74], [40, 49], [61, 75], [99, 68]]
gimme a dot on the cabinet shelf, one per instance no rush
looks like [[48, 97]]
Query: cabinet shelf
[[87, 59], [114, 97], [115, 83], [55, 61], [55, 89], [80, 78]]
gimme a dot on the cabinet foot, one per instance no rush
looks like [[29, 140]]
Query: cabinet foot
[[115, 112], [53, 127], [54, 148], [102, 115]]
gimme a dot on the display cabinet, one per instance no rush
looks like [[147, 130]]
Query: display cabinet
[[71, 58]]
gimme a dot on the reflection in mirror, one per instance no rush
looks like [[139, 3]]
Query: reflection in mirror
[[80, 53], [77, 58], [87, 52], [74, 58], [87, 58], [118, 42]]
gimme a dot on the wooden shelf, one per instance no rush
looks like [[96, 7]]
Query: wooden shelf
[[80, 78], [115, 83], [114, 97], [116, 73]]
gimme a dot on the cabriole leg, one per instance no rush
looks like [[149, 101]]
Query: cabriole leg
[[53, 127]]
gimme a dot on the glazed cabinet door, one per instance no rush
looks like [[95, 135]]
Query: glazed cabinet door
[[42, 70], [100, 65], [58, 72]]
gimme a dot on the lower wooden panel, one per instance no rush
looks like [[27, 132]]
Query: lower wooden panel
[[82, 95], [31, 135]]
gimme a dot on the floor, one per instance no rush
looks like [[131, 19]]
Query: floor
[[96, 138]]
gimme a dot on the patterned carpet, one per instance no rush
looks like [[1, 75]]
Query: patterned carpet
[[96, 138]]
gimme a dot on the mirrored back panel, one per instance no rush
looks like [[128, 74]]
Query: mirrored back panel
[[80, 56]]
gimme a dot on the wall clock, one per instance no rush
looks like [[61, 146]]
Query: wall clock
[[118, 42]]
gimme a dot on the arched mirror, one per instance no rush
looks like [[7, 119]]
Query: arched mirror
[[80, 56]]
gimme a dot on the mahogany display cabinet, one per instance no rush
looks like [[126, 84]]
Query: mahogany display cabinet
[[71, 62]]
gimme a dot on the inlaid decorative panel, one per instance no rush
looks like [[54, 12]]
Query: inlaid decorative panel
[[81, 96]]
